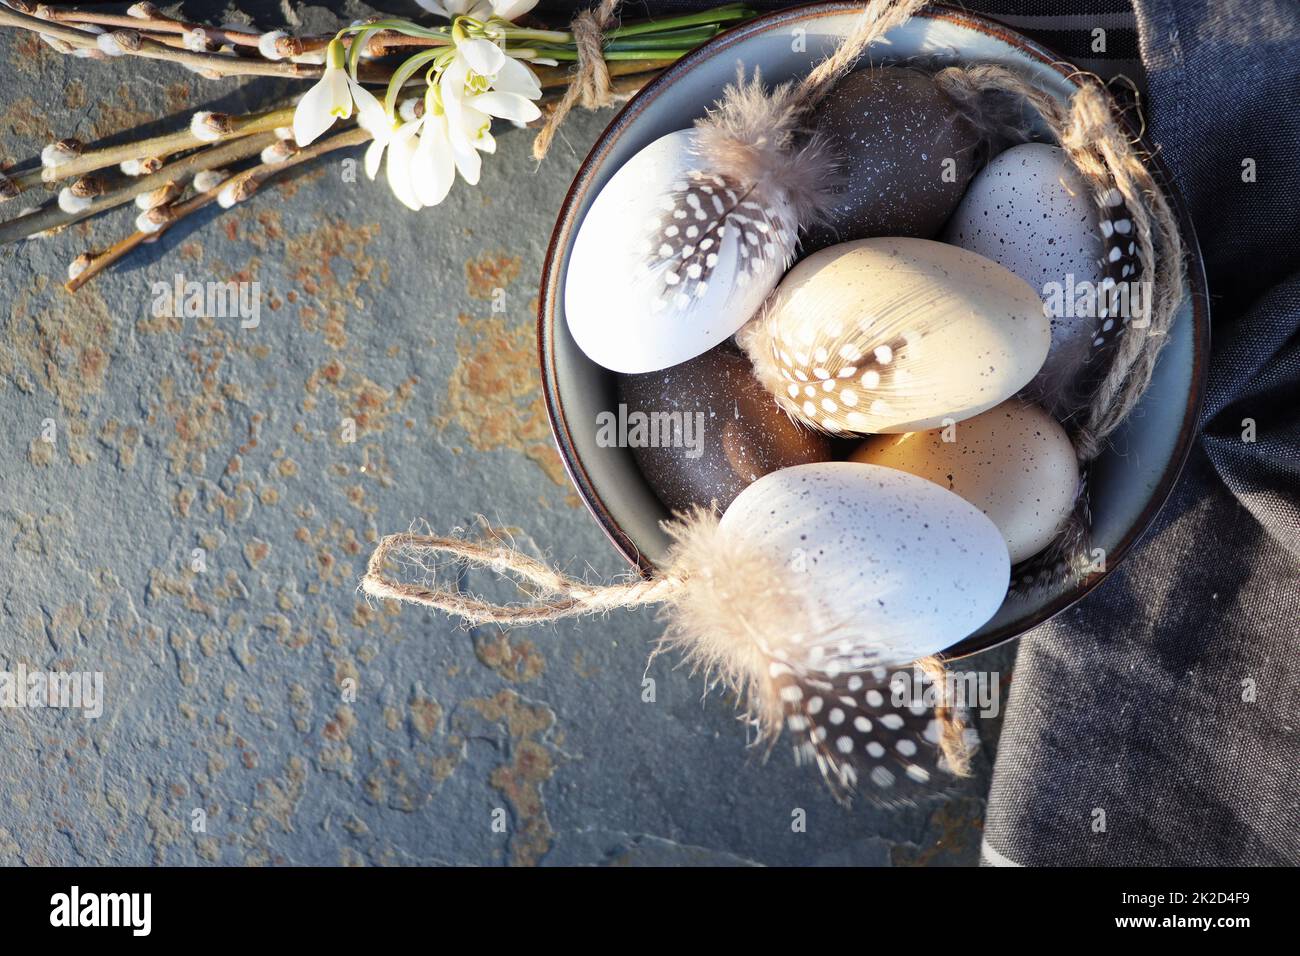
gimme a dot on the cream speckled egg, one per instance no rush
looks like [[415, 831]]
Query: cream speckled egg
[[896, 335], [1031, 211], [882, 551], [1013, 462], [669, 261]]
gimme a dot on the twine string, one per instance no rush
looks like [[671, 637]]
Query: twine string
[[590, 85], [877, 19], [554, 595]]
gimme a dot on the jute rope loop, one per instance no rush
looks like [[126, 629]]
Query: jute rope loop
[[556, 595], [590, 85]]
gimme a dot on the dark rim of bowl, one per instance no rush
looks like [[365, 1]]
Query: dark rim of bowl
[[546, 310]]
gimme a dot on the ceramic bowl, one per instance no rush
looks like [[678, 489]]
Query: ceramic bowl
[[1130, 482]]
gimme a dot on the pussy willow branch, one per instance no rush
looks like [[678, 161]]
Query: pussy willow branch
[[622, 88], [260, 175], [221, 65], [154, 50], [154, 24], [165, 145], [52, 217]]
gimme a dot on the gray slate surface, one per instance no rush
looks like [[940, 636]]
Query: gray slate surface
[[223, 686]]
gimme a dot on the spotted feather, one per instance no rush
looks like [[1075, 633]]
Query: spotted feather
[[1120, 267], [714, 229], [869, 732], [1068, 559]]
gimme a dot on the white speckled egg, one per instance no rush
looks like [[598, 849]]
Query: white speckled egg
[[1013, 462], [884, 552], [1030, 210], [896, 335], [669, 261]]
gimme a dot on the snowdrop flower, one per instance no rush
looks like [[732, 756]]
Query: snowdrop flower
[[511, 9], [382, 136], [482, 82], [332, 98], [478, 9]]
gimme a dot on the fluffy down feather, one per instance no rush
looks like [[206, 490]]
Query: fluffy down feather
[[743, 626]]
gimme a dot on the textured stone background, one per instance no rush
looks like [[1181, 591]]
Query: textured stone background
[[223, 686]]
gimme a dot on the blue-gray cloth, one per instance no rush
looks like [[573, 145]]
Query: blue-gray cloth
[[1156, 722], [1169, 700]]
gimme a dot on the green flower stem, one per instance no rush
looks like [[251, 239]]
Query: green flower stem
[[545, 36], [613, 56], [694, 38], [725, 14]]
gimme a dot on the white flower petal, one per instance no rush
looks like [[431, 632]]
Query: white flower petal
[[509, 106], [434, 7], [374, 156], [370, 112], [512, 9], [401, 153], [483, 56], [434, 170], [313, 116], [514, 77], [336, 80], [467, 159]]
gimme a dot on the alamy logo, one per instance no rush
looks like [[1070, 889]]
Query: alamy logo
[[103, 909], [651, 430], [979, 691], [192, 299], [68, 690]]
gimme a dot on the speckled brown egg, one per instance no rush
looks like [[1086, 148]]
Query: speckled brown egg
[[906, 151], [736, 433], [1013, 462]]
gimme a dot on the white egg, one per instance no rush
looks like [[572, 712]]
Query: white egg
[[668, 261], [1013, 462], [896, 335], [1031, 211], [886, 555]]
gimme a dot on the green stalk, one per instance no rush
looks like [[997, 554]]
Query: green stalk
[[716, 15], [571, 56], [693, 38]]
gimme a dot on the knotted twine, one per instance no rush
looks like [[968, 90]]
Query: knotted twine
[[590, 85], [1086, 128]]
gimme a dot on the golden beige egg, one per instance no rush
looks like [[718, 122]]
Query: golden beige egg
[[896, 335], [1013, 462]]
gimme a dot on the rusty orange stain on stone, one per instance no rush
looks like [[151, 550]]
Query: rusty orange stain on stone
[[28, 121], [519, 661], [120, 111], [961, 827], [520, 780], [490, 272], [60, 349], [329, 263], [494, 393]]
